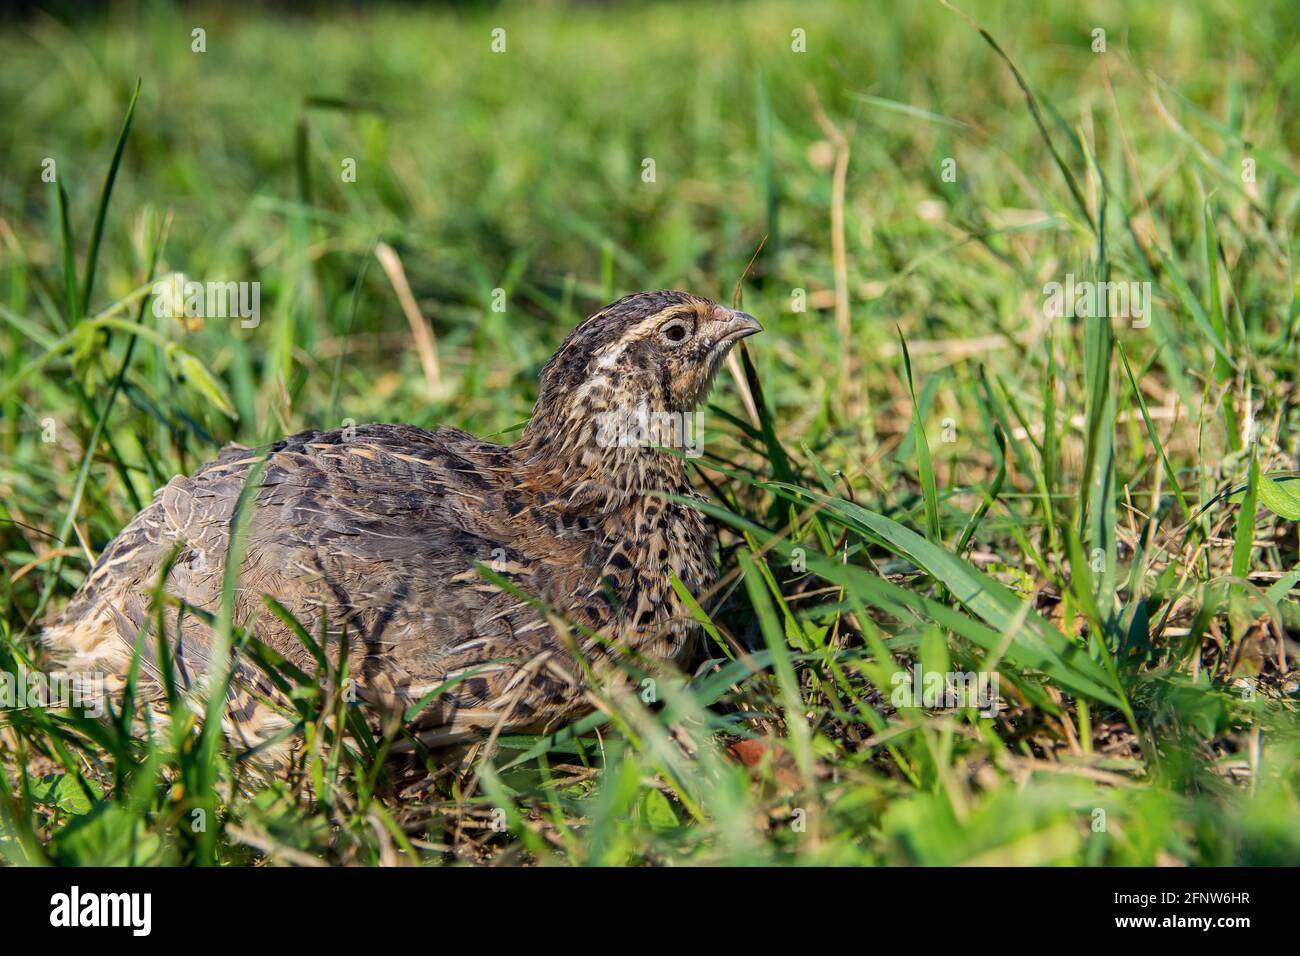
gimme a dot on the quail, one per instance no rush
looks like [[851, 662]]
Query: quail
[[384, 531]]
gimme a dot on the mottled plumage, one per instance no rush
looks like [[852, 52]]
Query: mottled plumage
[[382, 528]]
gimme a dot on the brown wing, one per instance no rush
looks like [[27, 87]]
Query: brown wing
[[377, 530]]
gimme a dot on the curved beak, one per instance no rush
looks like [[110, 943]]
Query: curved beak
[[738, 326]]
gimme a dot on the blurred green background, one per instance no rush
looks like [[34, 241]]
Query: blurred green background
[[522, 170]]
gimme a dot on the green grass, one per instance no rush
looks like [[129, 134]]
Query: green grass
[[963, 483]]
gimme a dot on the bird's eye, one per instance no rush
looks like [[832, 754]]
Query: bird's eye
[[675, 332]]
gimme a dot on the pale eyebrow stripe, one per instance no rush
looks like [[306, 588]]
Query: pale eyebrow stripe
[[608, 355]]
